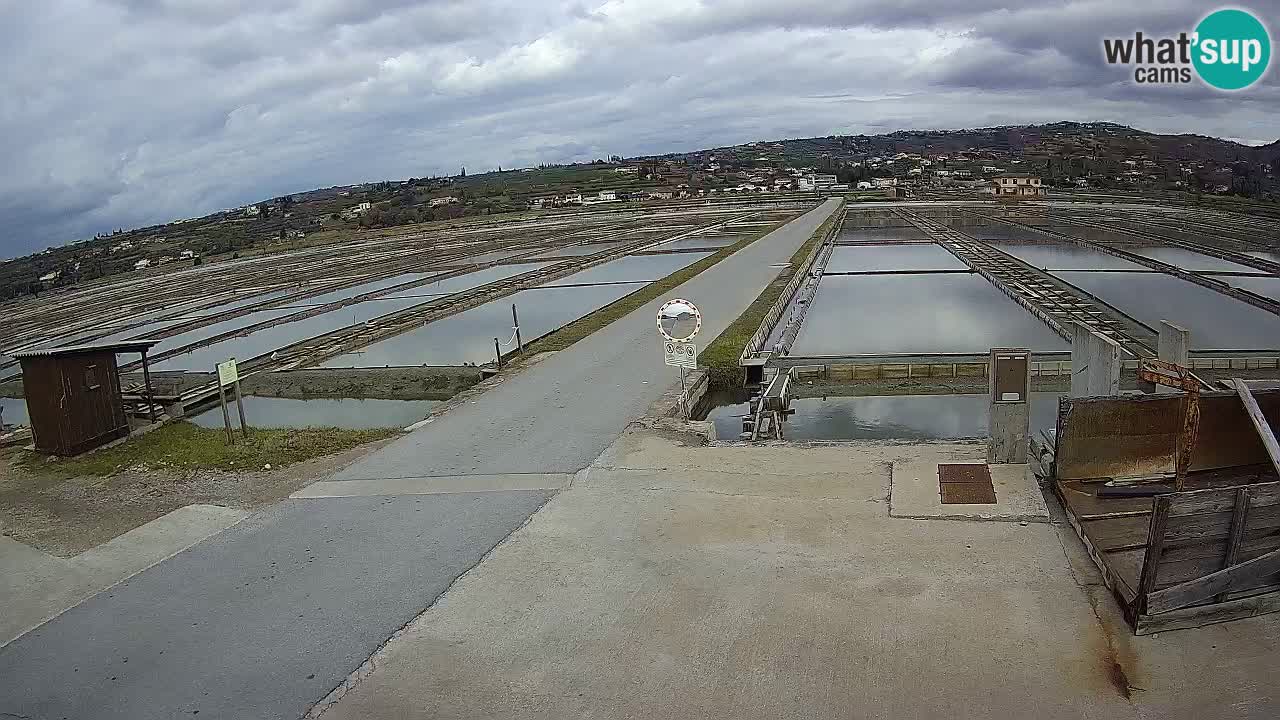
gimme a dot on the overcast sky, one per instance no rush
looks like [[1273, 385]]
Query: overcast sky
[[119, 113]]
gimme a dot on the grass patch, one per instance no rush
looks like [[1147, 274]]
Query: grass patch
[[584, 326], [185, 446], [721, 356]]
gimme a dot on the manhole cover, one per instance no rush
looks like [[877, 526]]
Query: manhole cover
[[966, 484]]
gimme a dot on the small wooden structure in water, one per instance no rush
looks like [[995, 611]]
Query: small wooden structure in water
[[74, 397], [1175, 558]]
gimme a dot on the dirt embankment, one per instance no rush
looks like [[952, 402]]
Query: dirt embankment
[[420, 383]]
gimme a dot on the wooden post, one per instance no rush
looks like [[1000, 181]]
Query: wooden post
[[515, 320], [226, 415], [1155, 549], [497, 350], [244, 425], [1239, 515], [1259, 422], [146, 379]]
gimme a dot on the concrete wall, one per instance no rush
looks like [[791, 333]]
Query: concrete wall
[[1095, 363]]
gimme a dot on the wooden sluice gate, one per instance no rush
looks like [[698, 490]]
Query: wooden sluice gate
[[1180, 510]]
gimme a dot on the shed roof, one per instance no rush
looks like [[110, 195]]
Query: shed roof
[[58, 351]]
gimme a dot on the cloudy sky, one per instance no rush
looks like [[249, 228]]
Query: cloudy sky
[[119, 113]]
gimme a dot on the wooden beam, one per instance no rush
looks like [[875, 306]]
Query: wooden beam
[[1155, 547], [1239, 515], [1259, 422], [1180, 596]]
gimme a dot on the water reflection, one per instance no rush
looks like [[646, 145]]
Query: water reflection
[[1215, 320], [952, 313], [707, 241], [1064, 256], [13, 411], [468, 336], [347, 413], [888, 417], [874, 258], [1189, 260], [267, 339], [873, 234], [1264, 286]]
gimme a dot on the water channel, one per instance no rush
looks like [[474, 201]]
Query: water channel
[[931, 313], [346, 413], [884, 417]]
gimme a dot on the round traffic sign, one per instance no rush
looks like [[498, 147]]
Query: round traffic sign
[[679, 320]]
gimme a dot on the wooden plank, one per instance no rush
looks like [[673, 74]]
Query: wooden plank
[[1259, 422], [1185, 569], [1119, 587], [1180, 596], [1237, 532], [1122, 533], [1195, 502], [1155, 545], [1193, 617], [1195, 528]]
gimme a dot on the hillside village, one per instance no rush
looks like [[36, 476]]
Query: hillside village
[[1067, 156]]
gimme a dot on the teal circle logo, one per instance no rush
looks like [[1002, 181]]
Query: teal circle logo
[[1232, 49]]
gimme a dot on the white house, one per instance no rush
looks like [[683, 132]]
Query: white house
[[1018, 185], [822, 182], [187, 254], [437, 202], [885, 182], [864, 185], [142, 264]]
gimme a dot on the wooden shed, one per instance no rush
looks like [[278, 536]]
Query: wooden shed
[[73, 394]]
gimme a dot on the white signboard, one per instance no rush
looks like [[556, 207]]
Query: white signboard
[[681, 354], [679, 320], [227, 372]]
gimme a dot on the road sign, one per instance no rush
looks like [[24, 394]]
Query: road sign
[[679, 320], [680, 354], [228, 374]]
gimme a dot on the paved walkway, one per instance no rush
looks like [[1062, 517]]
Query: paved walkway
[[773, 582], [266, 618]]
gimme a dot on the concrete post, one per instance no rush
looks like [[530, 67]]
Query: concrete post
[[1009, 422], [1175, 344], [1095, 363]]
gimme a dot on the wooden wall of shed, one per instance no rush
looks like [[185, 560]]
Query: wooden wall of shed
[[1133, 436], [67, 416], [42, 386]]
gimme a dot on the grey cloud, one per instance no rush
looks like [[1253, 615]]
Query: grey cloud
[[140, 111]]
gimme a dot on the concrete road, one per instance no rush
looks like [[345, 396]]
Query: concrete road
[[261, 620], [559, 415], [266, 618]]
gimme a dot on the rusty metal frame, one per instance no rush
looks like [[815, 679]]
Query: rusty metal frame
[[1167, 374]]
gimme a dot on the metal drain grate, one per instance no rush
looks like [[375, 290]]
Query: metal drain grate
[[966, 484]]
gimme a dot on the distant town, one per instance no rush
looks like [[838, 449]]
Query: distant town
[[1015, 160]]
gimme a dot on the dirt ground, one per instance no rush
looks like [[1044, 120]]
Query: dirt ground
[[66, 516]]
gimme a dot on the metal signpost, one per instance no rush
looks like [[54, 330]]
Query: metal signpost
[[229, 375], [678, 323]]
